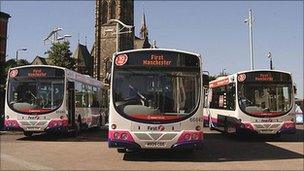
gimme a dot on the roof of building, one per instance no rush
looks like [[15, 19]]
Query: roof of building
[[141, 43], [3, 14], [40, 61], [83, 56]]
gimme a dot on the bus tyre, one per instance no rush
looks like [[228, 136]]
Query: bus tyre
[[240, 132], [28, 134], [276, 136], [77, 129]]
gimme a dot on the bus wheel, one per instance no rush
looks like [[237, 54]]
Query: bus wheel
[[240, 132], [28, 134], [77, 128], [276, 136]]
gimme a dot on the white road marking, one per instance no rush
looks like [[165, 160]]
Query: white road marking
[[24, 164]]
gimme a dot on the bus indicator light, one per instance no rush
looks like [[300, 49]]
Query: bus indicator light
[[198, 128], [113, 126]]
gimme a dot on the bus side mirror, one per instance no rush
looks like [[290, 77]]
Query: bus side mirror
[[108, 78], [295, 89]]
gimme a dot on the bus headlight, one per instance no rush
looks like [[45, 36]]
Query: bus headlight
[[187, 137], [124, 136], [116, 135], [195, 136]]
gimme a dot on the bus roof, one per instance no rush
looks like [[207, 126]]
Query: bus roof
[[224, 80], [241, 72], [69, 73], [157, 49]]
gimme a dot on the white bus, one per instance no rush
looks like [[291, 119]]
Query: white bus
[[258, 101], [155, 100], [43, 98]]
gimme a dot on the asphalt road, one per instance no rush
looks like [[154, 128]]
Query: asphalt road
[[89, 151]]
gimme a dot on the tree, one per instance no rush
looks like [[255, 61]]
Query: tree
[[10, 64], [207, 79], [60, 55]]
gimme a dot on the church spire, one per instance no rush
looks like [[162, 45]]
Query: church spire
[[143, 28]]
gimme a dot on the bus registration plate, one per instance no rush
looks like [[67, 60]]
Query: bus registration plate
[[266, 131], [155, 144], [33, 128]]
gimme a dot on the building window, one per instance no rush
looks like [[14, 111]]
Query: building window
[[104, 13], [113, 10]]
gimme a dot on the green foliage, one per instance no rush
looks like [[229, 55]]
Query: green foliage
[[60, 55], [207, 79]]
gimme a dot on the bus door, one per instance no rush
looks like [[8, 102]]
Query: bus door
[[71, 104]]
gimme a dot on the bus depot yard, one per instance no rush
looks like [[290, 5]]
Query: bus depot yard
[[89, 151]]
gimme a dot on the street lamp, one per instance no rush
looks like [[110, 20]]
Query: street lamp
[[270, 60], [22, 49], [249, 21], [119, 31]]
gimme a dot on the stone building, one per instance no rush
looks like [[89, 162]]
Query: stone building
[[105, 33], [40, 61], [105, 37], [143, 40], [84, 61]]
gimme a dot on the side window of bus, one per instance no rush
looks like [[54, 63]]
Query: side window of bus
[[223, 97], [230, 98], [85, 96], [95, 102], [90, 95], [214, 103]]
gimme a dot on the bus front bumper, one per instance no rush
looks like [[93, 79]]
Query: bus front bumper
[[123, 144], [178, 146], [188, 145]]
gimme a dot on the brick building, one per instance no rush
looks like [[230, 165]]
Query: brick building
[[3, 35], [3, 38]]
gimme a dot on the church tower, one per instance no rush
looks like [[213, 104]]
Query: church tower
[[143, 28], [105, 33]]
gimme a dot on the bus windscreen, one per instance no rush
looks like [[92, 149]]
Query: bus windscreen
[[35, 90], [264, 94], [156, 86]]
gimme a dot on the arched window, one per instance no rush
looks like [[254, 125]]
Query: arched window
[[113, 9], [104, 12]]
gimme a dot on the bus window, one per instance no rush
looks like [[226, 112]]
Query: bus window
[[272, 98], [39, 95], [223, 97], [157, 92]]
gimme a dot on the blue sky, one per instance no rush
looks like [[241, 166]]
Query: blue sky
[[214, 29]]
